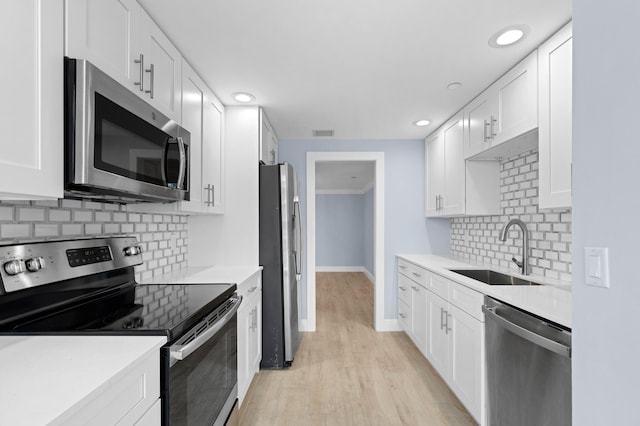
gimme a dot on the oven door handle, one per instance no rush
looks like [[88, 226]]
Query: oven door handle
[[180, 352]]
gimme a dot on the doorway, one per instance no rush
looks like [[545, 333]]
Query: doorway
[[376, 159]]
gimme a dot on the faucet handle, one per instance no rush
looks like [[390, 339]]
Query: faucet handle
[[514, 260]]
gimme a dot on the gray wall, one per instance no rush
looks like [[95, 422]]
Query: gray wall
[[606, 203], [406, 229]]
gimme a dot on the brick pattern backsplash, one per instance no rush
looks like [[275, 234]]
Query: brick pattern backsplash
[[476, 238], [163, 237]]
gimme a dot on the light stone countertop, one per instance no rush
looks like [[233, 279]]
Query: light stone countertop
[[551, 300], [43, 377], [206, 275]]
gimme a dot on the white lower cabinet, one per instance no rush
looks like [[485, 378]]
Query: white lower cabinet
[[249, 333], [445, 321]]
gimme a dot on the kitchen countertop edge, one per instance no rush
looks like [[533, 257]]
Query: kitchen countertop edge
[[205, 275], [551, 301]]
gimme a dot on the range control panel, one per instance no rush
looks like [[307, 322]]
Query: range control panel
[[28, 265]]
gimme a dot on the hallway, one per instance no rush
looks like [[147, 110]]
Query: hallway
[[345, 373]]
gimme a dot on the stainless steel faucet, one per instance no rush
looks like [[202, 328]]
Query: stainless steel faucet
[[524, 265]]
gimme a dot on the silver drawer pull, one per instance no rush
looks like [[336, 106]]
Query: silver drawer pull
[[403, 288], [416, 274], [252, 289], [402, 315], [402, 267]]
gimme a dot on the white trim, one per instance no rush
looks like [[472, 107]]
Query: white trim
[[341, 191], [390, 325], [362, 269], [380, 324], [304, 325]]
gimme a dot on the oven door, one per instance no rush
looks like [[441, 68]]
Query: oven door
[[200, 377], [118, 144]]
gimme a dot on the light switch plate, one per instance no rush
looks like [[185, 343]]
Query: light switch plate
[[596, 266]]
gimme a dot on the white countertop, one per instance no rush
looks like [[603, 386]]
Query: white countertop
[[551, 300], [42, 377], [206, 275]]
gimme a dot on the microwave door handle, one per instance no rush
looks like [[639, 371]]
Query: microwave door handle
[[165, 153], [180, 352], [183, 163]]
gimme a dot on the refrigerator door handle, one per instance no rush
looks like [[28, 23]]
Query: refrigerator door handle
[[298, 243]]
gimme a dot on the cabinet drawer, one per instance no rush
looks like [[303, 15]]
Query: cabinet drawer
[[439, 286], [468, 300], [404, 267], [404, 315], [419, 275], [404, 288], [250, 287]]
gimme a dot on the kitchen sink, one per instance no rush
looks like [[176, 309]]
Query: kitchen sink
[[490, 277]]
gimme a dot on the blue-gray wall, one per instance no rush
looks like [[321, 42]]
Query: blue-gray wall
[[368, 232], [606, 203], [406, 229], [340, 230]]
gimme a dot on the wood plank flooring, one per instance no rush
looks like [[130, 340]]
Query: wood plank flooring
[[346, 373]]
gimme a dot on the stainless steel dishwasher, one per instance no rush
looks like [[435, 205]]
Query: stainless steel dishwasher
[[528, 368]]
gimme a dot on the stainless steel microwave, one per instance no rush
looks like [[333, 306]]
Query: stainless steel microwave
[[119, 148]]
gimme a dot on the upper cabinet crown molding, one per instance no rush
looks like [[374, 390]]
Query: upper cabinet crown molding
[[33, 94], [555, 129]]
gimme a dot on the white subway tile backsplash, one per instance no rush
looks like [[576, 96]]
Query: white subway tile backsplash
[[25, 221], [549, 230]]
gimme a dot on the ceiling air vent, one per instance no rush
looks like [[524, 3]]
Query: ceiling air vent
[[322, 133]]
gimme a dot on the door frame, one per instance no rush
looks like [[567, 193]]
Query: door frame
[[378, 231]]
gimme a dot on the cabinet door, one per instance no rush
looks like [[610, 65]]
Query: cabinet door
[[193, 101], [419, 317], [434, 174], [163, 64], [244, 343], [554, 132], [477, 117], [213, 152], [453, 200], [466, 359], [31, 113], [437, 338], [268, 141], [255, 349], [107, 34], [516, 111]]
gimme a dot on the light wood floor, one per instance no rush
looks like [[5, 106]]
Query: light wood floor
[[345, 373]]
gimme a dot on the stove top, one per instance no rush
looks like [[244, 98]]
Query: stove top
[[88, 286]]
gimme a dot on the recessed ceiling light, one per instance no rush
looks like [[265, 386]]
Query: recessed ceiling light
[[508, 36], [421, 123], [454, 86], [243, 97]]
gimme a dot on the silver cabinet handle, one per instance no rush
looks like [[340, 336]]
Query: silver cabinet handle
[[140, 61], [487, 135], [402, 315], [210, 195], [402, 288], [252, 289], [402, 267], [180, 352], [151, 72], [448, 329], [527, 334], [415, 288], [442, 322], [416, 274], [494, 125]]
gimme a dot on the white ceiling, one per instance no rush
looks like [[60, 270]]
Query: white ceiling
[[364, 68], [344, 177]]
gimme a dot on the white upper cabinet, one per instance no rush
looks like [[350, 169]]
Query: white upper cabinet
[[506, 110], [163, 64], [268, 141], [120, 38], [453, 186], [555, 107], [32, 114]]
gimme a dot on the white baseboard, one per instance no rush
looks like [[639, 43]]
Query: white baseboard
[[304, 325], [389, 325]]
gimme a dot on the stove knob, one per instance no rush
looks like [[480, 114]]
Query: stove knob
[[35, 264], [14, 267], [132, 250]]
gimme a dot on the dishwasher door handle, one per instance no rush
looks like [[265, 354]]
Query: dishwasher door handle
[[527, 334]]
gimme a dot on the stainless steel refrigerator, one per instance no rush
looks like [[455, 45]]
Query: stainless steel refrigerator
[[280, 257]]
